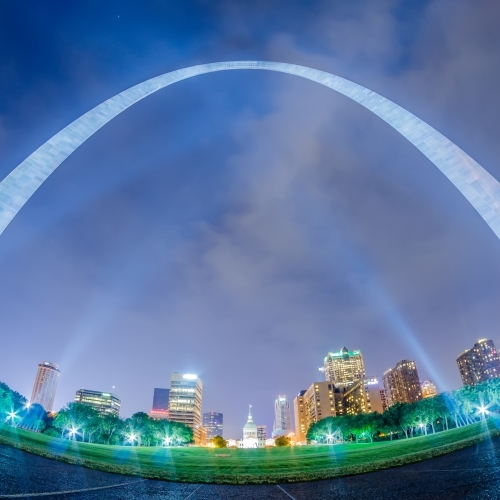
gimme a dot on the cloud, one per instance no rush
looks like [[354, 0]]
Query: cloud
[[241, 225]]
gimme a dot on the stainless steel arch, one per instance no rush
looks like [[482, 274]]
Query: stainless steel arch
[[476, 184]]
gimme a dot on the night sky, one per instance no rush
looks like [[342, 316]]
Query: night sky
[[240, 225]]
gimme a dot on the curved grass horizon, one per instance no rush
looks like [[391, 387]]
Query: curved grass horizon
[[259, 466], [479, 187]]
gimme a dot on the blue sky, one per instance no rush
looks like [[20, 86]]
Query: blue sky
[[241, 225]]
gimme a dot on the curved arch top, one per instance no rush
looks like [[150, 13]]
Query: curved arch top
[[476, 184]]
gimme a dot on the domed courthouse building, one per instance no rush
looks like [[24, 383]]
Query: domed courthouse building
[[251, 438]]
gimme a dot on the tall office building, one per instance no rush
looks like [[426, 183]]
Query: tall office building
[[160, 404], [299, 414], [44, 390], [160, 399], [344, 367], [310, 406], [480, 363], [364, 396], [428, 389], [261, 432], [213, 423], [185, 402], [402, 384], [104, 403], [282, 423]]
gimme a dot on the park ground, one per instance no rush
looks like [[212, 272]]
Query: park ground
[[234, 466]]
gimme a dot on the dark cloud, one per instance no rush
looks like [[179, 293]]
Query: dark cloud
[[241, 225]]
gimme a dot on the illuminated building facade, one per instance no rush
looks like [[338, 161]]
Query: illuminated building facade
[[383, 399], [214, 424], [300, 417], [402, 384], [262, 432], [364, 396], [104, 403], [311, 405], [428, 389], [344, 367], [252, 437], [480, 363], [282, 421], [184, 403], [44, 389]]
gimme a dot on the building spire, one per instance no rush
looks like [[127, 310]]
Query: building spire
[[250, 413]]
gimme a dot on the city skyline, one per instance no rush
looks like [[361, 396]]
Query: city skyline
[[367, 393], [238, 216]]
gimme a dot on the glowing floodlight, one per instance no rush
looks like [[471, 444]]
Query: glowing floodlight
[[12, 415], [132, 437], [190, 376], [167, 441], [73, 432]]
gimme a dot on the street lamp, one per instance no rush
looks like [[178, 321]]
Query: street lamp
[[73, 432], [12, 415], [132, 437]]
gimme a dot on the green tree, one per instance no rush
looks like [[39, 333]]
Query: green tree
[[6, 401], [75, 419], [219, 442], [282, 441], [109, 428], [390, 423], [371, 424], [62, 421], [138, 425], [181, 433]]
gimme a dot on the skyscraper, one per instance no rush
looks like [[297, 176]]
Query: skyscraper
[[261, 432], [480, 363], [160, 404], [282, 422], [213, 423], [344, 367], [44, 390], [299, 414], [104, 403], [363, 396], [402, 384], [312, 405], [184, 403], [428, 389]]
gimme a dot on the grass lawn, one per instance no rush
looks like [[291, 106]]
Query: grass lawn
[[269, 465]]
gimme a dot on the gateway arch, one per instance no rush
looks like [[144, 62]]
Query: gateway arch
[[474, 182]]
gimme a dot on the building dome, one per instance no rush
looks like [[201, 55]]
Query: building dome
[[250, 429]]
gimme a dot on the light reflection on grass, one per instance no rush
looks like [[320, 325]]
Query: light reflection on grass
[[270, 465]]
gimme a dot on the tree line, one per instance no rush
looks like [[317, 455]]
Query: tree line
[[80, 422], [447, 410]]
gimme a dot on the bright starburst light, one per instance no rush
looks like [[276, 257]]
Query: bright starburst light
[[132, 437], [73, 432], [12, 415]]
